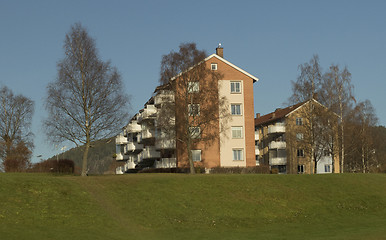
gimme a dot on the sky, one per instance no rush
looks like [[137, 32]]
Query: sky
[[269, 39]]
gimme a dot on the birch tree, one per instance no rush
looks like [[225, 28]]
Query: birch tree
[[86, 102], [336, 94]]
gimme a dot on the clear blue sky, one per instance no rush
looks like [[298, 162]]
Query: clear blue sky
[[268, 39]]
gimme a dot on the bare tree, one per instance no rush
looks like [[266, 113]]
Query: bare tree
[[336, 94], [15, 121], [86, 102], [308, 82], [197, 104], [360, 138]]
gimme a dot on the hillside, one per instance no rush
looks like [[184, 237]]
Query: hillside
[[100, 156], [177, 206]]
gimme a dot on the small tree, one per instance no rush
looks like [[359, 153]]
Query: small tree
[[15, 136], [86, 102], [197, 106]]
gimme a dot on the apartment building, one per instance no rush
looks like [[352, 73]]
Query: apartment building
[[301, 138], [144, 143]]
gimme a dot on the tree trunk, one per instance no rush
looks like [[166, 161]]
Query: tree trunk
[[84, 161]]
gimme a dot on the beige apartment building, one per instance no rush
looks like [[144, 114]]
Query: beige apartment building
[[286, 141], [143, 143]]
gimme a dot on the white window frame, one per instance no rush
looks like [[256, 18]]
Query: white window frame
[[299, 121], [234, 88], [193, 87], [195, 153], [301, 169], [213, 66], [238, 154], [300, 153], [237, 132], [195, 132], [327, 168], [299, 136], [234, 107], [194, 109]]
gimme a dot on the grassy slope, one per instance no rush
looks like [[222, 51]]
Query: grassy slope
[[167, 206]]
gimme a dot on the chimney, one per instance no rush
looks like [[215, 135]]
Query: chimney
[[220, 51], [257, 115]]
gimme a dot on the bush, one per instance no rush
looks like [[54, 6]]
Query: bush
[[241, 170], [54, 166]]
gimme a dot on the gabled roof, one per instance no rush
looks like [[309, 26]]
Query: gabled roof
[[255, 79], [277, 114], [282, 113]]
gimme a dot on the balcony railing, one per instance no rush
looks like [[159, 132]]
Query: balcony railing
[[277, 128], [150, 152], [120, 139], [147, 133], [150, 112], [165, 143], [277, 145], [133, 127], [133, 146], [121, 157], [257, 151], [278, 161], [166, 163], [256, 136], [119, 170]]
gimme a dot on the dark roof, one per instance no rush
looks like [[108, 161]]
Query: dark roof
[[276, 115]]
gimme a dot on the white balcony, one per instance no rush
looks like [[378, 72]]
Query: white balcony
[[150, 112], [133, 127], [278, 161], [164, 143], [257, 151], [119, 170], [277, 128], [129, 165], [119, 157], [277, 145], [256, 135], [150, 152], [147, 133], [166, 163], [163, 97], [120, 139], [133, 146]]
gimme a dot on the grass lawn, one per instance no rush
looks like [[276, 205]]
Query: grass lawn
[[178, 206]]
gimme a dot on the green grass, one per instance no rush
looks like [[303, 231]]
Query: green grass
[[173, 206]]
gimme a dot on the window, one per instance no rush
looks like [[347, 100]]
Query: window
[[195, 132], [301, 169], [236, 109], [299, 121], [237, 132], [300, 153], [213, 66], [235, 87], [299, 136], [196, 155], [238, 155], [326, 153], [327, 168], [193, 87], [194, 109]]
